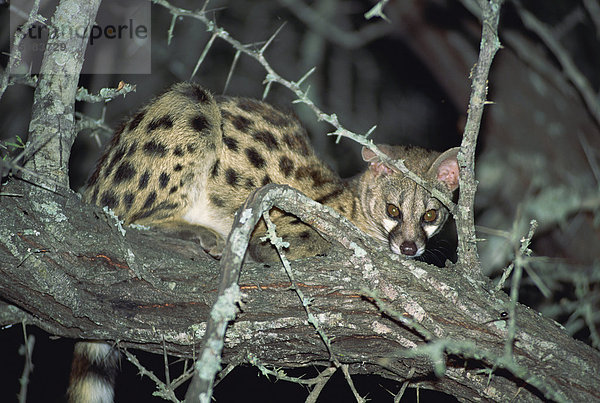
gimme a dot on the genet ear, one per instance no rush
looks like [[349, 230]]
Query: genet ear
[[375, 164], [445, 168]]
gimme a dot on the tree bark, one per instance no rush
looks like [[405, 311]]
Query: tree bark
[[76, 275], [52, 125]]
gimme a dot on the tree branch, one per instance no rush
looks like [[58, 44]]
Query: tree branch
[[465, 220], [52, 125], [79, 277]]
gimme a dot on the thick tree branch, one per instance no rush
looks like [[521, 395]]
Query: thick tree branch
[[80, 277]]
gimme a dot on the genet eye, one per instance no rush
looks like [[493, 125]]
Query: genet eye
[[430, 216], [393, 211]]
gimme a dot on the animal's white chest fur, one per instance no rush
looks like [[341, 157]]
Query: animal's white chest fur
[[201, 213]]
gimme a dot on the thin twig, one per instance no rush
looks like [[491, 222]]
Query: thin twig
[[166, 363], [593, 9], [306, 302], [164, 390], [524, 252], [436, 350], [15, 55], [377, 11], [405, 384], [27, 351]]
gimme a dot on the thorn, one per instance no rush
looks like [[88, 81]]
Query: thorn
[[371, 130], [304, 77], [204, 53], [262, 50], [233, 64], [171, 29], [267, 89]]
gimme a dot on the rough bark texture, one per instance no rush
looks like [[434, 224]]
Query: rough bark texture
[[76, 275], [52, 127]]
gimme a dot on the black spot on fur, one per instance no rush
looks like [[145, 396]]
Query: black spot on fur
[[241, 123], [191, 148], [157, 208], [286, 166], [297, 142], [117, 135], [177, 168], [141, 214], [265, 180], [250, 105], [267, 138], [165, 122], [149, 200], [304, 234], [194, 92], [255, 158], [154, 148], [249, 184], [214, 171], [136, 120], [163, 180], [199, 123], [173, 189], [143, 183], [109, 199], [117, 156], [231, 143], [231, 176], [315, 174], [217, 201], [116, 138], [331, 195], [226, 115], [124, 173], [278, 119], [128, 199], [178, 151], [132, 149]]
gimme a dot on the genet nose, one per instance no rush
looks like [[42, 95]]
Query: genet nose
[[408, 248]]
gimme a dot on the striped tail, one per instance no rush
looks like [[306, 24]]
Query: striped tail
[[93, 373]]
